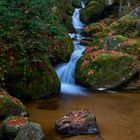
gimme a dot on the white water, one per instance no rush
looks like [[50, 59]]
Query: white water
[[77, 24], [66, 71], [110, 2]]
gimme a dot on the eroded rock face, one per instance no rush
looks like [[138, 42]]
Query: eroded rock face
[[12, 125], [31, 131], [77, 122], [10, 106]]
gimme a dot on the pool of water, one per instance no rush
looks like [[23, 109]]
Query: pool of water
[[118, 114]]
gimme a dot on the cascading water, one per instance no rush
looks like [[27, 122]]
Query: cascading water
[[65, 71], [110, 2]]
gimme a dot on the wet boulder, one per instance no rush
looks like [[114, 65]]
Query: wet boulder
[[92, 12], [31, 131], [77, 122], [12, 125], [37, 80], [106, 69], [10, 106]]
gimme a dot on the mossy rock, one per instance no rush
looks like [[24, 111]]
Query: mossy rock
[[12, 125], [86, 41], [92, 12], [76, 3], [93, 29], [10, 106], [60, 51], [35, 80], [125, 26], [32, 130], [105, 69], [117, 43], [104, 2]]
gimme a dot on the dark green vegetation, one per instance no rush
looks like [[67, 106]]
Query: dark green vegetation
[[32, 38]]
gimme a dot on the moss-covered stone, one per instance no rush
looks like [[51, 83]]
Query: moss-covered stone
[[127, 26], [93, 29], [117, 43], [104, 2], [12, 125], [105, 69], [92, 12], [76, 3], [10, 106], [32, 131], [37, 79]]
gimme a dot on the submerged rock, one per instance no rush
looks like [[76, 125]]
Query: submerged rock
[[77, 122], [106, 69], [10, 106], [31, 131], [12, 125]]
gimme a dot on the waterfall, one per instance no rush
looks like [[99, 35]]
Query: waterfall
[[110, 2], [66, 71]]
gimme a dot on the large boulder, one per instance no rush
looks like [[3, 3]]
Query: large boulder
[[12, 125], [106, 69], [127, 25], [92, 12], [117, 43], [31, 131], [36, 80], [10, 106], [77, 122]]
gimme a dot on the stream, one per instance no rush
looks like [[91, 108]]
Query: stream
[[65, 71], [118, 114]]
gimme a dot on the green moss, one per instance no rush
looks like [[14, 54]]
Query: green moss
[[101, 69], [124, 26], [76, 3], [10, 106], [117, 43], [92, 12], [37, 80]]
